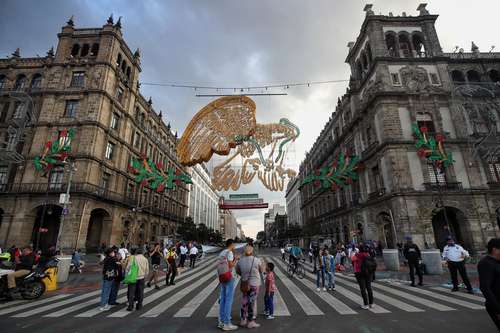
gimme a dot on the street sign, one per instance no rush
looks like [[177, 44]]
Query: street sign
[[63, 198], [65, 211], [243, 196]]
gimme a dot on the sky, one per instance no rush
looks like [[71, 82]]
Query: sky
[[242, 43]]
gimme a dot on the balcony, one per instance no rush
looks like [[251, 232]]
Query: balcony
[[494, 185], [448, 186]]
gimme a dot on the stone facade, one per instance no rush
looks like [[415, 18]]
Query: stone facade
[[400, 76], [91, 84], [203, 198]]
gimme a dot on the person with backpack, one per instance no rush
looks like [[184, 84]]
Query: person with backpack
[[226, 262], [364, 266], [137, 268], [411, 253]]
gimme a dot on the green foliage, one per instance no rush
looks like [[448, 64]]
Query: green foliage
[[55, 153], [432, 148], [342, 172]]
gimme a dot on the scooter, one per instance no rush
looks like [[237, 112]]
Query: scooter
[[30, 286]]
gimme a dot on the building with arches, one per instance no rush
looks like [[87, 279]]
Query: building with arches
[[400, 76], [89, 83]]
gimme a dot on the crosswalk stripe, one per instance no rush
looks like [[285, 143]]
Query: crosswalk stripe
[[33, 304], [305, 302], [280, 308], [474, 297], [214, 310], [166, 304], [407, 296], [336, 304], [93, 302], [11, 303], [154, 296], [389, 300], [188, 309]]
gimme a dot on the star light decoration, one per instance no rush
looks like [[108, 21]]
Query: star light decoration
[[341, 173], [432, 148], [151, 174], [55, 153]]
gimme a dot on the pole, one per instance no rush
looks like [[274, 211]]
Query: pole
[[393, 226], [65, 205]]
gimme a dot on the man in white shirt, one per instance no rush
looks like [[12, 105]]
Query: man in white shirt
[[184, 250], [193, 253], [123, 251], [455, 256]]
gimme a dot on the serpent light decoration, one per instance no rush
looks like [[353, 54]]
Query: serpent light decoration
[[432, 148], [228, 127], [151, 174], [342, 172], [55, 153]]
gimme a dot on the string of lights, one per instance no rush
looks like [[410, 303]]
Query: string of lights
[[242, 89]]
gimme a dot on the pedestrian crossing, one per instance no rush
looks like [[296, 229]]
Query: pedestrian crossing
[[196, 292]]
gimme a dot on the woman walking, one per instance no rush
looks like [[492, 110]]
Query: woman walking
[[320, 272], [108, 277], [363, 270], [135, 291], [170, 257], [155, 256], [249, 268]]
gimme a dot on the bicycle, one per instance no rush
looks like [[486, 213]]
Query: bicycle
[[299, 270]]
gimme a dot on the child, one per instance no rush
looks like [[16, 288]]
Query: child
[[270, 289]]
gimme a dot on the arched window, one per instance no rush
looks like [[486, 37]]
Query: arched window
[[85, 50], [494, 75], [36, 82], [119, 60], [128, 72], [3, 82], [418, 45], [390, 41], [75, 50], [124, 65], [21, 82], [424, 119], [404, 45], [457, 76], [94, 50], [473, 76]]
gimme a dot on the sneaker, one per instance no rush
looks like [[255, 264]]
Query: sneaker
[[266, 313], [253, 324], [157, 287], [130, 308], [324, 289], [317, 289], [420, 284], [454, 289], [371, 306], [364, 307], [243, 323], [270, 317], [148, 284], [104, 308], [229, 327], [220, 324], [413, 285], [470, 292], [115, 303]]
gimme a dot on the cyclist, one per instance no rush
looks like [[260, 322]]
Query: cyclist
[[295, 255]]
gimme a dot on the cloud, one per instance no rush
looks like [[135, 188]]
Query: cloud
[[226, 43]]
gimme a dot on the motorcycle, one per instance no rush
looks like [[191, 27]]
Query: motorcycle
[[30, 286]]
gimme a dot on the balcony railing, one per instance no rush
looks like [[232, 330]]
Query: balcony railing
[[448, 186], [129, 199]]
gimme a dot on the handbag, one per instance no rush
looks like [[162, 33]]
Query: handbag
[[131, 274], [245, 285]]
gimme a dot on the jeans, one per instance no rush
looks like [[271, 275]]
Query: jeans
[[249, 304], [226, 301], [459, 266], [192, 260], [268, 303], [365, 285], [331, 279], [183, 259], [414, 266], [107, 285], [114, 292], [320, 273], [135, 293]]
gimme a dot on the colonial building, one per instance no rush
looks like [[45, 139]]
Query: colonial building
[[203, 198], [400, 76], [269, 226], [229, 224], [90, 83], [293, 202]]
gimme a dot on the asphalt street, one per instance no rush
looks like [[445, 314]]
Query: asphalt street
[[191, 306]]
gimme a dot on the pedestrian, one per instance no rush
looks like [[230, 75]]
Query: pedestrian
[[135, 291], [455, 255], [249, 268], [193, 253], [76, 258], [283, 253], [170, 258], [155, 256], [270, 290], [310, 256], [320, 272], [412, 254], [363, 265], [117, 280], [489, 280], [226, 262], [184, 250], [108, 276], [329, 269], [123, 251]]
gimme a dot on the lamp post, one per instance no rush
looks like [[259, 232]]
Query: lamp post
[[72, 169]]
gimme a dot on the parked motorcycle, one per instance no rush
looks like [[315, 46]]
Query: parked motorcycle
[[30, 286]]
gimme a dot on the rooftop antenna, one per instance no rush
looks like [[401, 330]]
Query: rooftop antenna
[[492, 48]]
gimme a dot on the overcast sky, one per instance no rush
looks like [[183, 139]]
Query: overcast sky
[[240, 43]]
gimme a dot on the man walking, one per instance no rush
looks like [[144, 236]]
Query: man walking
[[412, 254], [455, 256], [183, 249], [489, 280], [193, 253], [229, 260]]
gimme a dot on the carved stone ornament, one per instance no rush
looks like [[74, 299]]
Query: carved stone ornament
[[414, 79]]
